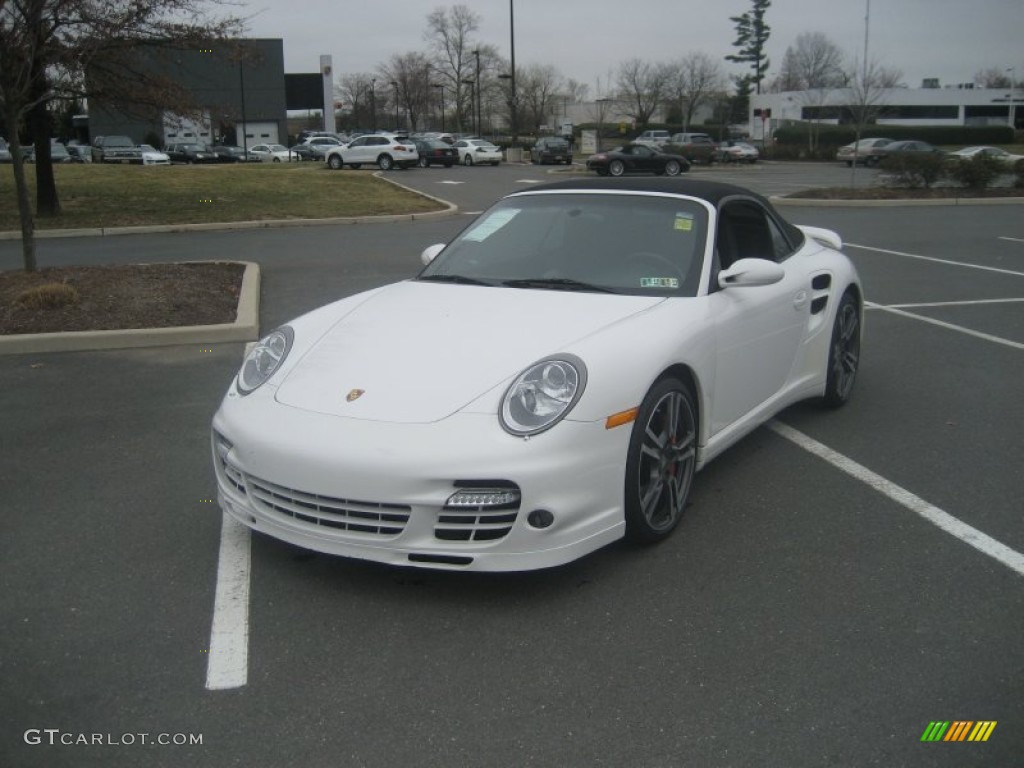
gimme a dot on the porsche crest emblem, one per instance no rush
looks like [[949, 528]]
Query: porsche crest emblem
[[355, 394]]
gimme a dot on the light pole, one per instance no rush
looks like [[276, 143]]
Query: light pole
[[479, 85], [472, 102], [394, 86], [513, 100], [441, 86], [373, 104]]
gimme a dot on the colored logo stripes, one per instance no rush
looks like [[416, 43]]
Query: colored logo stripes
[[958, 730]]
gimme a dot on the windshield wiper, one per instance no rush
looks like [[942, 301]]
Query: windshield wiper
[[459, 279], [557, 284]]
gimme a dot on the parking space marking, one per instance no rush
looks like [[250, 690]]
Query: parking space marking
[[953, 303], [943, 520], [228, 664], [1012, 239], [937, 260], [948, 326]]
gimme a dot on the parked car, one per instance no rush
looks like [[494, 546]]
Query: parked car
[[229, 153], [319, 145], [551, 149], [273, 153], [152, 156], [996, 153], [564, 433], [5, 152], [189, 153], [695, 147], [653, 138], [738, 152], [914, 146], [303, 151], [80, 153], [386, 151], [435, 152], [862, 152], [477, 152], [637, 158], [58, 153], [115, 149]]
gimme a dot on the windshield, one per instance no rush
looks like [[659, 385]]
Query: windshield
[[621, 243]]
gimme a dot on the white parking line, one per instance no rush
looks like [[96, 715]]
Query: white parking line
[[952, 303], [228, 665], [939, 261], [945, 521], [1012, 239], [948, 326]]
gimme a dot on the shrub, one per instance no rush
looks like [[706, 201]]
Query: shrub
[[978, 172], [48, 296], [914, 169]]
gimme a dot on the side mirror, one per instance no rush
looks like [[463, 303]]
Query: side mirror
[[430, 253], [751, 272]]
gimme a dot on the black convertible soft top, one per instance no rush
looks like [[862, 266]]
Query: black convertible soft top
[[712, 191]]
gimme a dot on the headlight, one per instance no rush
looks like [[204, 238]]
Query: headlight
[[265, 358], [543, 394]]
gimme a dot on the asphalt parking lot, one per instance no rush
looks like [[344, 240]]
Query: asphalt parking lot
[[815, 608]]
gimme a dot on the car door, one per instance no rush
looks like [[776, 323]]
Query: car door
[[759, 329]]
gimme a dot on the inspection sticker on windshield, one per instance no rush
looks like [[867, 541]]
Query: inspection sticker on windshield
[[683, 222], [490, 225], [659, 282]]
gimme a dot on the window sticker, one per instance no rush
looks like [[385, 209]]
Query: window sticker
[[491, 224], [683, 222], [659, 282]]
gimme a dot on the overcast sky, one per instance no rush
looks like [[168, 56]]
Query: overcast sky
[[587, 39]]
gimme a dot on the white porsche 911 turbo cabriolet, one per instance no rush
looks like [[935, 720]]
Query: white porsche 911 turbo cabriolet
[[549, 383]]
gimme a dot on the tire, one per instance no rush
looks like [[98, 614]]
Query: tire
[[423, 162], [616, 167], [661, 461], [276, 160], [467, 160], [672, 168], [385, 162], [843, 353], [335, 163]]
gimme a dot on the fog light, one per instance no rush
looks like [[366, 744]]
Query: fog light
[[483, 497], [540, 518]]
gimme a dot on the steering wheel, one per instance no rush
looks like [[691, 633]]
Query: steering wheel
[[662, 262]]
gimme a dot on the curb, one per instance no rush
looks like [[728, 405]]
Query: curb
[[949, 201], [244, 328], [150, 229]]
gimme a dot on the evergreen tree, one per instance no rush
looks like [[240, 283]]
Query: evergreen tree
[[751, 37]]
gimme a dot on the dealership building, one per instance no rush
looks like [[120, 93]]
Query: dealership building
[[962, 105], [243, 93]]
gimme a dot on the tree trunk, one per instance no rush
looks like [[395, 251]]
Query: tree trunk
[[41, 126], [28, 242]]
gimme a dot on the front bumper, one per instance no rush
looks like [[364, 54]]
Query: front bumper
[[377, 491]]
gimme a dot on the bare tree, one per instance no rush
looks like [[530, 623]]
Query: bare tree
[[449, 33], [811, 62], [409, 74], [353, 91], [993, 77], [867, 89], [642, 86], [61, 49], [693, 82], [537, 88]]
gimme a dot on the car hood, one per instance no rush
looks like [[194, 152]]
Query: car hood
[[417, 352]]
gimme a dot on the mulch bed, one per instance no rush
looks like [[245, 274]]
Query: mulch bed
[[121, 297]]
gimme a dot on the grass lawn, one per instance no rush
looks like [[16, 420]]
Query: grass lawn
[[94, 195]]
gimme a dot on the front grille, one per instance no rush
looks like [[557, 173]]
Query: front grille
[[371, 517]]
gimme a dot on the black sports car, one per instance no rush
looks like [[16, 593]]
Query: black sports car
[[637, 158], [436, 152]]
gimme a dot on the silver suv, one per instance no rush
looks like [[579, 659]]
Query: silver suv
[[386, 151]]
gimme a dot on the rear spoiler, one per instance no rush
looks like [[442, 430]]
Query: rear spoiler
[[824, 236]]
